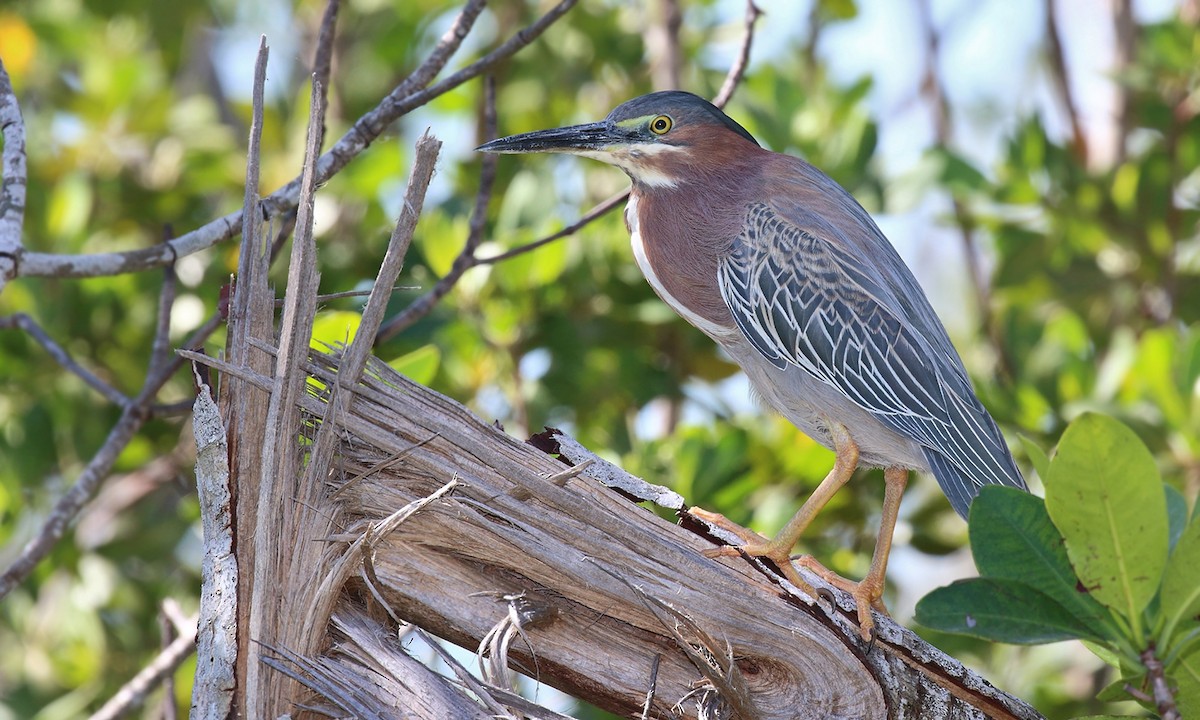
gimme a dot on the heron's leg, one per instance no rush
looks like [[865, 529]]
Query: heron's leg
[[779, 548], [868, 594]]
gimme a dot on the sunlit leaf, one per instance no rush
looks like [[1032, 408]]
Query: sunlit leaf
[[1181, 581], [1037, 456], [1186, 674], [1104, 494], [420, 365], [334, 327]]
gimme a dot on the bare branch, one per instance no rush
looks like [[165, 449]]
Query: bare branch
[[662, 43], [21, 321], [1164, 699], [587, 219], [160, 350], [14, 179], [734, 77], [406, 97], [134, 693], [216, 643], [931, 88], [1062, 82], [323, 58], [420, 307], [134, 414]]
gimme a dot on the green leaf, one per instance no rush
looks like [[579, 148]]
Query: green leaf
[[420, 365], [1012, 538], [1180, 596], [1104, 494], [1177, 515], [334, 327], [1000, 610], [1186, 676], [1037, 456]]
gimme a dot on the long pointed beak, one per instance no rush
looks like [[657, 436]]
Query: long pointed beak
[[573, 139]]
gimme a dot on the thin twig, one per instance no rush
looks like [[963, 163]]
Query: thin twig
[[738, 70], [1164, 699], [172, 625], [408, 96], [931, 87], [466, 258], [586, 219], [326, 297], [323, 58], [1062, 83], [134, 692], [21, 321], [13, 180], [160, 351]]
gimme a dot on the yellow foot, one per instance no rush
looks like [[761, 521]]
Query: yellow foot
[[867, 594], [754, 545], [718, 520]]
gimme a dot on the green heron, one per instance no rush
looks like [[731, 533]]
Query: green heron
[[780, 265]]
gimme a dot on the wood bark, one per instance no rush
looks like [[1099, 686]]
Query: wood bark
[[602, 586]]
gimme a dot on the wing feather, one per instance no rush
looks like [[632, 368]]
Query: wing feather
[[802, 301]]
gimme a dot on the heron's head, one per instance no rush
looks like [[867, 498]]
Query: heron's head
[[659, 140]]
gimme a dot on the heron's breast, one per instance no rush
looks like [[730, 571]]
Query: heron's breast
[[679, 260]]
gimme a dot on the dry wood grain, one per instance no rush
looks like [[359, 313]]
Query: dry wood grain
[[607, 585]]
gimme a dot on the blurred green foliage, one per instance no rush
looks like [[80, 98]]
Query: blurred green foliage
[[1095, 295]]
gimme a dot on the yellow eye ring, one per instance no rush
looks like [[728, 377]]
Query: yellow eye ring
[[661, 125]]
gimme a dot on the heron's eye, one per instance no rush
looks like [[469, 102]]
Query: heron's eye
[[660, 125]]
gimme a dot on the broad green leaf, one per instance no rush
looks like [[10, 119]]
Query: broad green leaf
[[1104, 494], [1037, 456], [1000, 610], [420, 365], [1186, 674], [1177, 515], [1180, 596], [334, 327], [1012, 538], [441, 240]]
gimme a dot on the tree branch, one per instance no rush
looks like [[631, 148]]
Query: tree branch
[[23, 322], [1062, 82], [736, 71], [409, 95], [13, 180], [134, 414], [931, 88], [133, 694], [1164, 699], [466, 259]]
